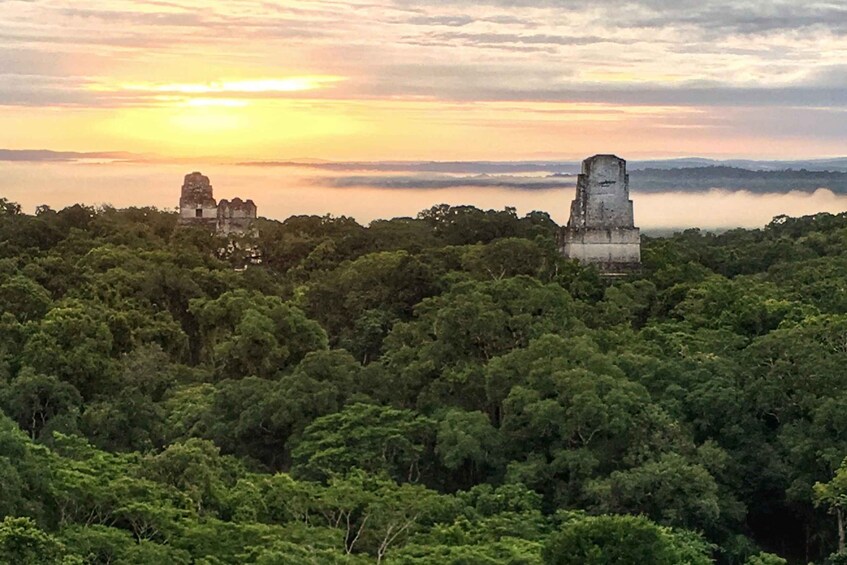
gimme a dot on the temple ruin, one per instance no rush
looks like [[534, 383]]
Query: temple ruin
[[601, 229], [197, 207]]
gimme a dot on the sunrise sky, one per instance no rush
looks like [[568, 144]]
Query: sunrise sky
[[425, 79]]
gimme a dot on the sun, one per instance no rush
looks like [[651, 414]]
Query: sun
[[225, 116], [231, 127]]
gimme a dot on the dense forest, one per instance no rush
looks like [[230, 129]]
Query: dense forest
[[437, 390]]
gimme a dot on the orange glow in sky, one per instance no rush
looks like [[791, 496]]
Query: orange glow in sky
[[446, 79]]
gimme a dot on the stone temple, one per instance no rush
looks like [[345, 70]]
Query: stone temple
[[197, 207], [601, 229]]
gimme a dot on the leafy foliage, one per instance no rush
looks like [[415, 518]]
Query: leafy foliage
[[439, 389]]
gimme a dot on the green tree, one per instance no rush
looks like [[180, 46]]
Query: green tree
[[103, 544], [195, 468], [765, 559], [510, 257], [132, 418], [24, 298], [375, 513], [369, 293], [41, 402], [25, 474], [602, 540], [670, 491], [833, 495], [74, 343], [249, 334], [365, 436], [432, 360], [21, 541], [466, 441]]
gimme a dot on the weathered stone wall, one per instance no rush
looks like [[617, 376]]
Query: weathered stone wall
[[601, 229], [236, 216], [611, 249]]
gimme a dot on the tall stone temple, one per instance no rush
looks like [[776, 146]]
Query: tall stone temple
[[197, 207], [601, 228]]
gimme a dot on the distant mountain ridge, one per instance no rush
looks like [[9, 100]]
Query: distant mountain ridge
[[698, 179], [833, 164]]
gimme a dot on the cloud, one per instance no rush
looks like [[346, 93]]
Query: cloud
[[41, 90], [511, 82], [746, 17], [448, 21], [45, 155], [750, 18], [758, 67], [143, 18], [511, 40], [46, 90]]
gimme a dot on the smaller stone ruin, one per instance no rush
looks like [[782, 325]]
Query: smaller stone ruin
[[601, 229], [197, 207], [235, 216]]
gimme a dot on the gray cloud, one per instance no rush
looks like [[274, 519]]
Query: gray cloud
[[449, 21], [750, 18], [41, 90], [798, 123], [510, 39], [179, 19], [46, 155], [519, 83], [738, 16]]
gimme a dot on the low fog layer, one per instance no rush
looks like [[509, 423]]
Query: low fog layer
[[283, 192], [727, 209]]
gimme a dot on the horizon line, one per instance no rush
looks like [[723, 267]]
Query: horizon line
[[33, 155]]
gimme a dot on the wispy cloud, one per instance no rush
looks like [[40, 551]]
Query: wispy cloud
[[744, 68], [598, 47]]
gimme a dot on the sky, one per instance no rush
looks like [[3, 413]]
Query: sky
[[425, 79]]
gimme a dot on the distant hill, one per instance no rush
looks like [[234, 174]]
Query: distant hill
[[696, 179], [836, 164]]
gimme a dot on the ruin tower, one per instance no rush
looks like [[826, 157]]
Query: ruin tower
[[601, 229], [197, 205]]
